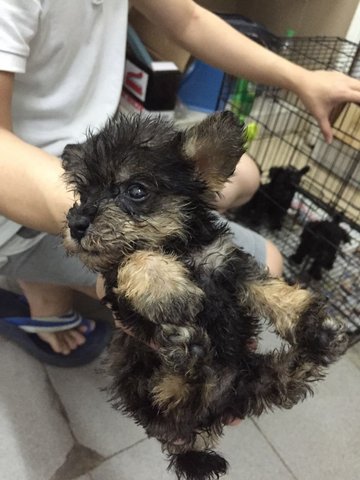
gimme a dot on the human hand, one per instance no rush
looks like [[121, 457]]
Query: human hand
[[322, 91], [100, 292]]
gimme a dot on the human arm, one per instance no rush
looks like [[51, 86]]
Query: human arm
[[211, 39], [32, 191]]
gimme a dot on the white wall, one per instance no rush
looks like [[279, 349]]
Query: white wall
[[353, 33]]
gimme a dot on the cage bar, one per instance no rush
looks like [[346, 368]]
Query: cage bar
[[288, 136]]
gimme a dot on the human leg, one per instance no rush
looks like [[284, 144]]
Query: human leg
[[265, 252], [238, 191], [49, 278], [242, 185], [274, 259], [46, 300]]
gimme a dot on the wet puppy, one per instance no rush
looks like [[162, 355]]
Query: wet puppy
[[144, 219]]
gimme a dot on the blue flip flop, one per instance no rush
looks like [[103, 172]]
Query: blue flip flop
[[17, 326]]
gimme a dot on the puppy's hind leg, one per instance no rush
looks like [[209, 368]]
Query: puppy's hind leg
[[276, 379], [315, 270], [300, 253]]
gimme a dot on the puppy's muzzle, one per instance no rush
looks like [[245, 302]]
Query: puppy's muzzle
[[78, 225]]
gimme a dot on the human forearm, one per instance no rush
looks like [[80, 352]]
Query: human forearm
[[236, 54], [32, 191], [211, 39]]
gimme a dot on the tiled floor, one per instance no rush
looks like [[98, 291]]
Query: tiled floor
[[57, 425]]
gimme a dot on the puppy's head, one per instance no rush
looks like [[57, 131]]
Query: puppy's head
[[286, 177], [138, 179]]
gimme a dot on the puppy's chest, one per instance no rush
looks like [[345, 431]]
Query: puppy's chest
[[203, 284]]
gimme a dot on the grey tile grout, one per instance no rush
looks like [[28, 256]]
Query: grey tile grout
[[357, 365], [63, 412], [126, 448], [60, 406], [115, 454], [274, 449]]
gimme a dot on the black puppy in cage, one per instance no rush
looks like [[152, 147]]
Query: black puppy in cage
[[320, 241], [271, 202]]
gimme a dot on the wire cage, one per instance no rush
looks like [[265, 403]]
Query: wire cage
[[286, 135]]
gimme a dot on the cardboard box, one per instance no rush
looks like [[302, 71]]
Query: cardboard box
[[347, 126], [306, 17], [150, 89], [159, 45], [339, 157]]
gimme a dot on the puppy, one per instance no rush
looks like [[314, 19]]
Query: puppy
[[271, 202], [320, 241], [192, 300]]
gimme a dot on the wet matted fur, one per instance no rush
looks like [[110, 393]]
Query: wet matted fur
[[145, 221]]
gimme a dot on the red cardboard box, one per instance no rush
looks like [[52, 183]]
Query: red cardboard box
[[150, 89]]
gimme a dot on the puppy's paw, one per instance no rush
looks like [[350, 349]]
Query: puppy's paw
[[325, 340], [181, 347], [332, 340]]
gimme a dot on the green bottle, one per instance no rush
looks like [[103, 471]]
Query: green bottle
[[286, 49], [241, 101]]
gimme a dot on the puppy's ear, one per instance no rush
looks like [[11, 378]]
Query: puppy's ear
[[304, 170], [215, 146], [346, 236], [73, 162], [339, 217], [72, 157], [274, 171]]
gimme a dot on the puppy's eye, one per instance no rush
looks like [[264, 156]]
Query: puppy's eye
[[137, 192]]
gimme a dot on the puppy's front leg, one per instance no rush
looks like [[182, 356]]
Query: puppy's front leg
[[159, 288]]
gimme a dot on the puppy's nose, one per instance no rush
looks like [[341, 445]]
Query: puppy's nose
[[78, 226]]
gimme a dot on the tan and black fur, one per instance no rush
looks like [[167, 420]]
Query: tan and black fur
[[145, 221]]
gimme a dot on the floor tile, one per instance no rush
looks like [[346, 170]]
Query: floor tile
[[354, 354], [248, 453], [141, 462], [34, 435], [320, 438], [250, 456], [94, 422], [79, 461]]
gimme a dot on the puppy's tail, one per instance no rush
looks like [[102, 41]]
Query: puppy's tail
[[195, 465]]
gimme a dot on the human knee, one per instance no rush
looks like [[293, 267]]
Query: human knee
[[241, 186], [274, 259], [247, 175]]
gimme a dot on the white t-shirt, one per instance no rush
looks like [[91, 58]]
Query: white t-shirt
[[68, 59]]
